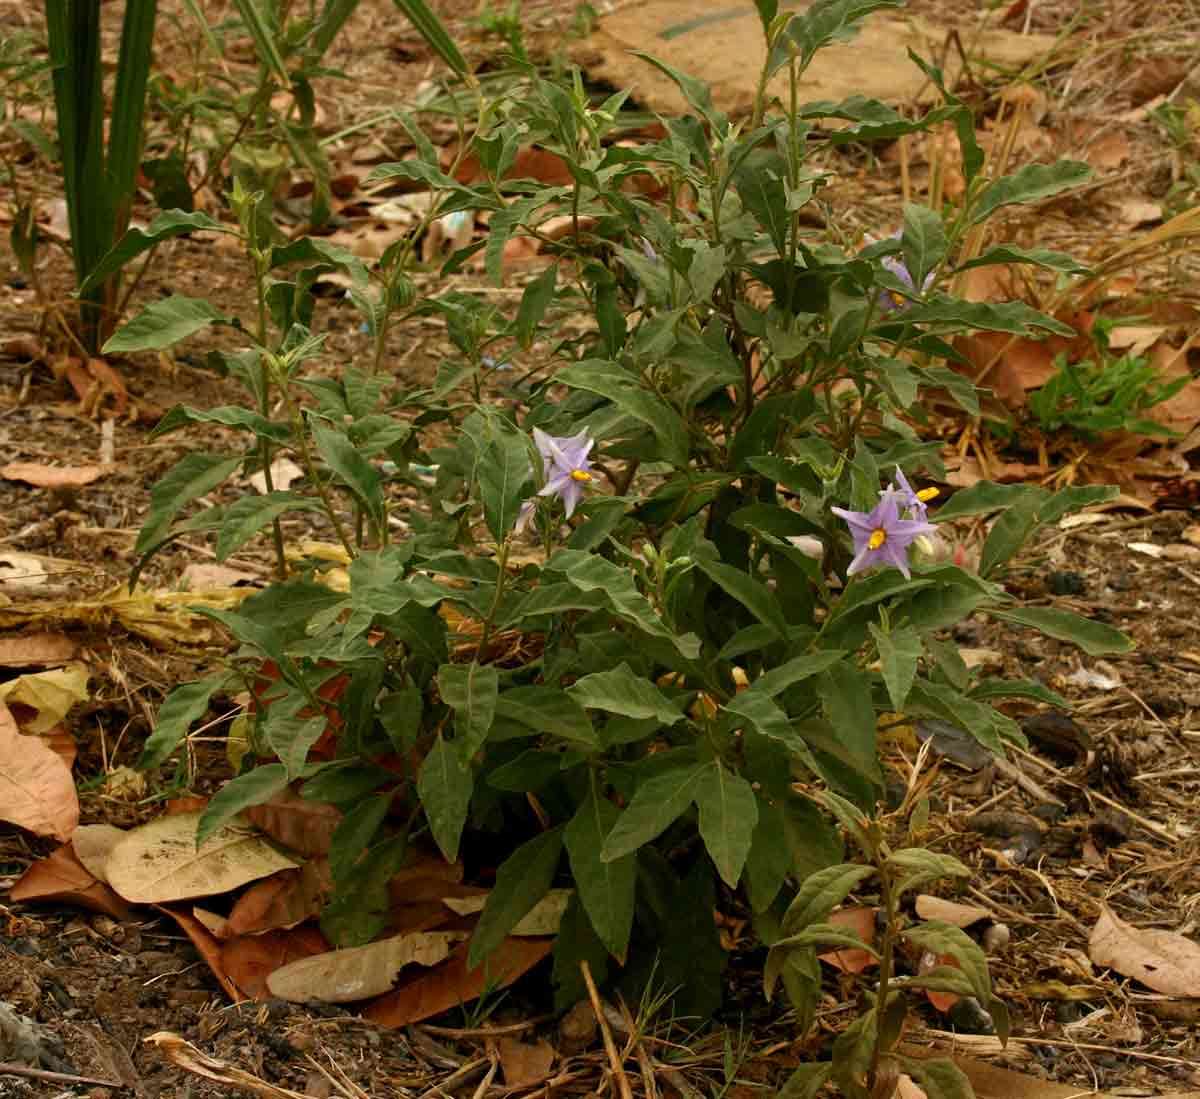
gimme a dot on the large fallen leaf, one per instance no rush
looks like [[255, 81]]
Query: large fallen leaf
[[42, 699], [60, 876], [860, 920], [37, 650], [37, 791], [283, 900], [207, 947], [299, 824], [452, 984], [360, 972], [1162, 960], [43, 476], [959, 915], [251, 959], [160, 862], [93, 843], [543, 918]]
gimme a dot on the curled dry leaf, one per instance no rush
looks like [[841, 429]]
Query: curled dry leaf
[[958, 915], [252, 958], [160, 862], [543, 918], [22, 570], [1162, 960], [186, 1056], [60, 876], [860, 920], [360, 972], [37, 791], [37, 650], [92, 843], [282, 900], [61, 743], [40, 700], [301, 825], [452, 984], [207, 947], [43, 476]]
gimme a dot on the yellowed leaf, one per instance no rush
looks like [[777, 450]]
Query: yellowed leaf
[[360, 972], [93, 844], [160, 862], [50, 694], [37, 791], [44, 476], [1162, 960]]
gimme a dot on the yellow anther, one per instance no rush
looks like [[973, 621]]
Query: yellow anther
[[927, 494], [580, 475], [877, 539]]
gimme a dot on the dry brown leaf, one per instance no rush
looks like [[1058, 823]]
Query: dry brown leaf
[[959, 915], [452, 984], [908, 1088], [1181, 412], [43, 476], [61, 743], [42, 699], [301, 825], [22, 570], [60, 876], [1133, 213], [186, 1056], [1022, 364], [283, 900], [525, 1064], [37, 791], [543, 918], [37, 650], [1162, 960], [207, 947], [199, 577], [1111, 150], [251, 959], [92, 844], [213, 922], [359, 972], [860, 920], [160, 862]]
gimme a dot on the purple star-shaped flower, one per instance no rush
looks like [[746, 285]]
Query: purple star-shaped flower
[[890, 301], [881, 537], [567, 466], [908, 497]]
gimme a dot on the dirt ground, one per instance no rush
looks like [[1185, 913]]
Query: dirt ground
[[1103, 810]]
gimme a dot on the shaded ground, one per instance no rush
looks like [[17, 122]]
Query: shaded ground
[[1102, 812]]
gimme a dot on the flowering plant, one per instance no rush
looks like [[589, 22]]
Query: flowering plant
[[675, 703]]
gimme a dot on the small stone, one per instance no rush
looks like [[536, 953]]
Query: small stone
[[577, 1029], [996, 938]]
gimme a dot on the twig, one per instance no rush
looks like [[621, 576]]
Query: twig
[[9, 1069], [470, 1069], [483, 1031], [610, 1047]]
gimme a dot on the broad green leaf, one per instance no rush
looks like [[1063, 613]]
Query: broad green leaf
[[534, 301], [1094, 638], [942, 978], [982, 498], [943, 938], [694, 91], [770, 858], [470, 690], [522, 880], [268, 638], [605, 888], [921, 866], [655, 806], [445, 787], [191, 477], [820, 893], [289, 733], [923, 242], [319, 251], [546, 709], [1075, 498], [728, 814], [246, 516], [850, 817], [1011, 530], [806, 1081], [823, 22], [939, 1078], [170, 223], [622, 691], [252, 788], [1038, 257], [354, 834], [228, 416], [503, 473], [760, 186], [794, 671], [825, 936], [576, 942], [766, 718], [352, 469], [163, 323], [1014, 317], [1028, 184], [846, 694], [899, 651], [754, 595], [186, 703]]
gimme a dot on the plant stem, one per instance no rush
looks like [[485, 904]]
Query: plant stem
[[887, 898], [264, 403], [501, 560]]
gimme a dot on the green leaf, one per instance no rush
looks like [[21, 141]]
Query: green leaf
[[354, 834], [846, 694], [1075, 498], [431, 29], [939, 1078], [186, 703], [770, 858], [170, 223], [899, 651], [575, 943], [921, 866], [820, 893], [163, 323], [656, 804], [226, 415], [522, 880], [546, 709], [260, 26], [537, 296], [605, 888], [470, 690], [1038, 257], [755, 596], [445, 788], [759, 181], [826, 936], [806, 1081], [192, 476], [1009, 533], [621, 691], [352, 469], [1014, 317], [980, 499], [610, 380], [794, 671], [1094, 638], [728, 814], [502, 474], [252, 788], [694, 91], [1028, 184], [246, 516], [943, 938], [923, 242]]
